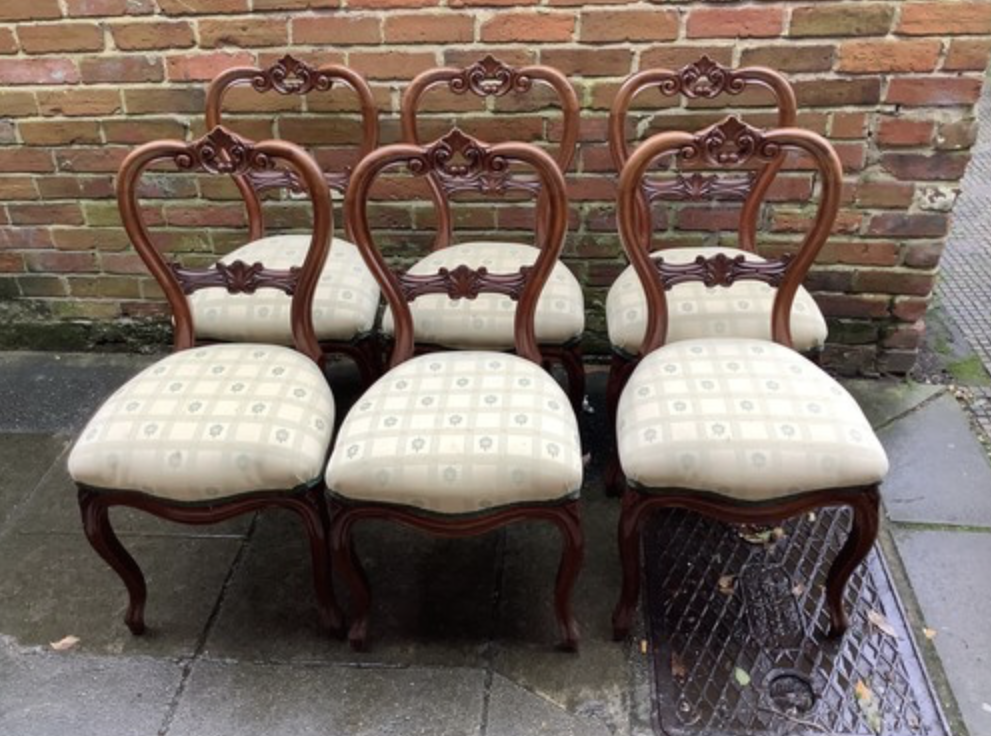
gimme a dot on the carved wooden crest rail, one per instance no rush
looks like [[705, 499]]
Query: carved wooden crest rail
[[721, 270], [490, 77]]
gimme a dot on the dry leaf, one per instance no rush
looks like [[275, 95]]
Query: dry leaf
[[778, 533], [643, 646], [929, 633], [755, 535], [65, 643], [678, 669], [798, 589], [727, 584], [812, 517], [868, 706], [742, 676], [878, 620]]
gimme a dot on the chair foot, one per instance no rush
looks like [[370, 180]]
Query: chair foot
[[568, 520], [342, 552], [312, 510], [96, 525], [863, 534], [630, 521]]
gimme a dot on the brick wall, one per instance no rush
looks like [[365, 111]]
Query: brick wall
[[893, 84]]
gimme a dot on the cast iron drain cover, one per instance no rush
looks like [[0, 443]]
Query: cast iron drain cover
[[738, 635]]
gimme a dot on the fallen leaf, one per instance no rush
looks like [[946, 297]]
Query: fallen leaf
[[742, 676], [929, 633], [986, 707], [798, 589], [812, 517], [778, 533], [755, 535], [727, 584], [878, 620], [678, 669], [65, 643], [643, 646], [868, 706]]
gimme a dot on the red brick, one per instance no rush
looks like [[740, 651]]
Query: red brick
[[848, 125], [79, 102], [153, 35], [670, 56], [933, 91], [762, 22], [918, 166], [588, 62], [11, 262], [247, 33], [837, 92], [610, 26], [91, 238], [897, 224], [143, 130], [18, 188], [790, 58], [18, 104], [506, 26], [203, 7], [38, 71], [841, 19], [884, 194], [449, 27], [45, 213], [263, 5], [867, 57], [967, 55], [890, 281], [23, 238], [923, 255], [204, 67], [390, 65], [909, 309], [29, 10], [337, 29], [8, 42], [109, 8], [945, 17], [894, 132], [490, 3], [59, 132], [75, 187], [123, 263], [29, 160], [102, 159], [122, 69], [49, 37], [59, 262], [156, 100]]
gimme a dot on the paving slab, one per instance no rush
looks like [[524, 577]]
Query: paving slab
[[951, 579], [432, 599], [24, 461], [884, 400], [57, 393], [44, 693], [55, 585], [514, 711], [253, 699], [939, 473]]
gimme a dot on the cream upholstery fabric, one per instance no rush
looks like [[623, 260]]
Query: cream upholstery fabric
[[740, 310], [344, 305], [459, 432], [748, 419], [209, 423], [486, 323]]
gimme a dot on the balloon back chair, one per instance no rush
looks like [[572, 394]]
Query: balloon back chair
[[215, 431], [458, 443], [693, 309], [346, 301], [741, 429], [487, 322]]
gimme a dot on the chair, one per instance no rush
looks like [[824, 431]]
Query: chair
[[487, 322], [742, 429], [215, 431], [346, 301], [694, 310], [459, 443]]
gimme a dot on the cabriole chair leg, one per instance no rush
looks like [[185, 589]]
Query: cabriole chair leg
[[863, 533]]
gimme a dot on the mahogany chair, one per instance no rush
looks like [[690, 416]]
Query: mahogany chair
[[487, 322], [743, 429], [459, 443], [694, 310], [346, 301], [215, 431]]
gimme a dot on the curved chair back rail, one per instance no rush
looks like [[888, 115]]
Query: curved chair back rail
[[704, 79], [488, 77], [224, 153], [730, 143], [291, 76], [466, 163]]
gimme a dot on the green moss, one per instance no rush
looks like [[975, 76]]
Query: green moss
[[969, 372]]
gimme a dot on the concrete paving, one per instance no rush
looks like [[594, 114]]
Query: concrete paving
[[462, 630]]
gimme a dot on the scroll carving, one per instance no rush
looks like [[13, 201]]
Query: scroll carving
[[490, 78], [703, 79], [729, 143], [721, 270], [222, 152], [290, 76], [237, 277], [698, 187], [464, 282]]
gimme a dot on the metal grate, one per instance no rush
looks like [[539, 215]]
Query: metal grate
[[747, 654]]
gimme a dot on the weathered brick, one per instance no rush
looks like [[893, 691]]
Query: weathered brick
[[8, 41], [153, 35], [898, 224], [956, 135], [945, 17], [38, 71], [102, 159], [42, 286], [933, 91], [23, 238], [203, 7], [142, 131], [59, 132], [611, 26], [337, 29], [51, 37], [848, 125], [91, 238], [204, 67], [75, 187], [967, 55], [18, 104], [18, 188], [762, 22], [890, 281], [79, 102], [589, 62], [26, 160], [59, 262], [109, 8], [885, 194], [11, 262], [45, 213], [671, 56], [923, 255], [152, 100], [507, 26], [841, 19], [838, 92], [869, 57], [29, 10], [909, 309], [448, 27], [131, 68], [386, 65], [895, 131], [248, 32], [791, 58]]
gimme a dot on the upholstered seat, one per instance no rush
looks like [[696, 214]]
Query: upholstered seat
[[459, 432], [211, 422], [344, 305], [743, 310], [750, 420], [486, 322]]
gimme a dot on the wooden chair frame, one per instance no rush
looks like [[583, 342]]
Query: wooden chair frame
[[461, 158], [490, 77], [702, 79], [220, 152], [734, 143], [291, 76]]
